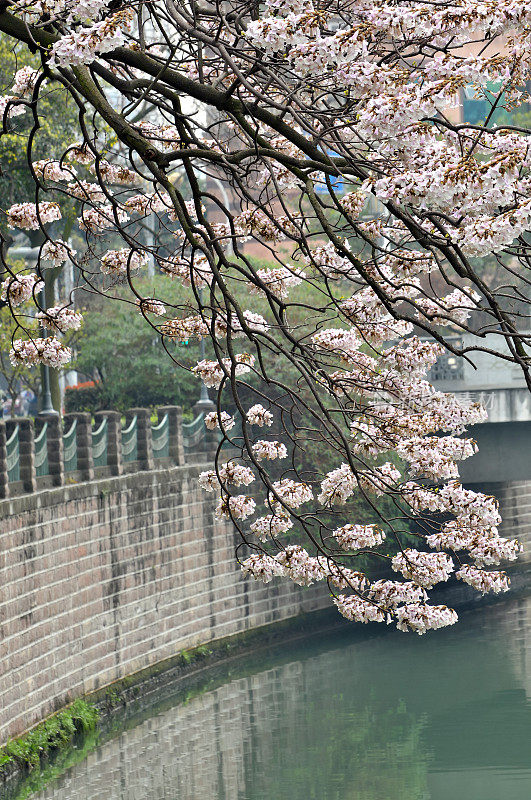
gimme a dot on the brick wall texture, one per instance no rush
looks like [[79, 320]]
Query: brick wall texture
[[99, 580]]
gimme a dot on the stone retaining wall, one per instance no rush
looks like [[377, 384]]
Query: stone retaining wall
[[101, 579]]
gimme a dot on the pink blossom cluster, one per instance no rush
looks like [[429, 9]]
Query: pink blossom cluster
[[253, 321], [166, 136], [84, 45], [230, 472], [214, 420], [56, 251], [212, 373], [292, 493], [391, 594], [256, 223], [30, 217], [277, 281], [20, 288], [380, 480], [484, 544], [239, 506], [11, 105], [435, 457], [198, 272], [483, 581], [356, 537], [60, 318], [115, 173], [25, 80], [48, 351], [338, 486], [89, 192], [426, 569], [455, 307], [150, 305], [146, 203], [339, 341], [342, 577], [81, 153], [52, 170], [422, 617], [263, 449], [357, 609], [181, 330], [271, 525], [262, 567], [299, 566], [117, 262], [96, 219], [258, 415]]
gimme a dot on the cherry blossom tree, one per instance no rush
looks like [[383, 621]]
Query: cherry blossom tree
[[325, 133]]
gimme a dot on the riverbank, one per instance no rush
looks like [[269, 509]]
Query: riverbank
[[181, 672], [197, 669]]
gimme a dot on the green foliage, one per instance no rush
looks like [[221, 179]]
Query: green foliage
[[58, 127], [196, 654], [52, 734], [85, 396], [122, 352]]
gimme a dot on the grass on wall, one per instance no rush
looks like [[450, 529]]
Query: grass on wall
[[52, 734]]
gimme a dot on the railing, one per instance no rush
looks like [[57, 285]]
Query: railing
[[130, 441], [13, 457], [99, 445], [480, 370], [160, 438], [70, 448], [41, 452], [193, 433]]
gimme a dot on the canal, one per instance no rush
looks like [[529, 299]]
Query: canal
[[363, 714]]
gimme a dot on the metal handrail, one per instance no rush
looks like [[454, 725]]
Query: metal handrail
[[41, 452], [13, 456], [130, 441], [160, 438], [99, 448], [41, 435], [130, 427], [70, 448], [194, 432], [13, 436]]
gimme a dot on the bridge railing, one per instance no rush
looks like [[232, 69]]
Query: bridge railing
[[480, 371], [48, 451]]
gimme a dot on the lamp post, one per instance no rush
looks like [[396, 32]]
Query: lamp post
[[46, 395], [204, 405], [31, 254]]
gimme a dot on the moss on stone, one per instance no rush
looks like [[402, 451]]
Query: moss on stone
[[54, 733]]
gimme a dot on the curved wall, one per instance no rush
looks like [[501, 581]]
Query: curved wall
[[99, 580]]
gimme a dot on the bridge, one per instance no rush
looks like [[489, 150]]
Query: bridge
[[504, 440], [502, 466]]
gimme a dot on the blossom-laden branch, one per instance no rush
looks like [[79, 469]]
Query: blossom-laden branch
[[321, 136]]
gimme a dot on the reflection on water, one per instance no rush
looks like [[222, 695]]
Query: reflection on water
[[386, 717]]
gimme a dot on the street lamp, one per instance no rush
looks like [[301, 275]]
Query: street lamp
[[204, 405], [31, 254], [46, 395]]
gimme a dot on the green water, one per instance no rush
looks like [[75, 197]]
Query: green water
[[377, 716]]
